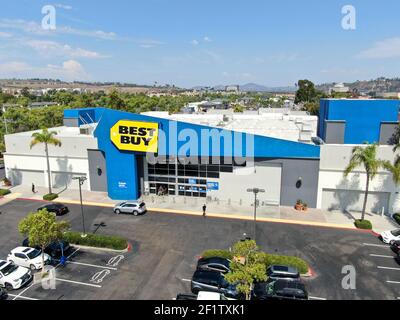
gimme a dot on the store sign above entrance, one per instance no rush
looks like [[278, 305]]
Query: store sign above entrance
[[135, 136]]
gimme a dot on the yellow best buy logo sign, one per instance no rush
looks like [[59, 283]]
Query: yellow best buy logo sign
[[135, 136]]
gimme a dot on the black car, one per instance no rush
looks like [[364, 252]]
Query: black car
[[54, 250], [3, 294], [213, 282], [395, 246], [214, 264], [189, 297], [282, 289], [282, 272], [57, 208]]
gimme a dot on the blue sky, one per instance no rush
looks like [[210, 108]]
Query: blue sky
[[189, 43]]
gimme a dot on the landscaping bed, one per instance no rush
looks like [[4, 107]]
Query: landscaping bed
[[96, 241], [268, 259]]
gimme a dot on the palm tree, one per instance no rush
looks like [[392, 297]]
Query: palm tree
[[394, 169], [47, 138], [366, 157]]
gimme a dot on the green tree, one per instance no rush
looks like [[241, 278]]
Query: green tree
[[47, 138], [238, 108], [42, 229], [115, 101], [306, 92], [366, 157], [394, 169], [247, 267]]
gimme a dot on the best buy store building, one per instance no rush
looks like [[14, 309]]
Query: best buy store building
[[128, 155]]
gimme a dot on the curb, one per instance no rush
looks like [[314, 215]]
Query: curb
[[128, 248]]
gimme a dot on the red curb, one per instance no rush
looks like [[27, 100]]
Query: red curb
[[311, 272], [129, 247]]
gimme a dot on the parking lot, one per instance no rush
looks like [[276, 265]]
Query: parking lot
[[165, 249]]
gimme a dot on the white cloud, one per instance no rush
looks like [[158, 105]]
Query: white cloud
[[33, 27], [149, 43], [194, 42], [52, 48], [5, 35], [69, 70], [63, 6], [388, 48], [207, 39]]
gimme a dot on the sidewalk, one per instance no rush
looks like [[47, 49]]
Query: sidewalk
[[220, 209]]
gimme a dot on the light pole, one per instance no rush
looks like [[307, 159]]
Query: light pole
[[255, 191], [81, 181]]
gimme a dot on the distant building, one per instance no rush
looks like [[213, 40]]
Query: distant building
[[35, 105], [233, 88], [339, 88]]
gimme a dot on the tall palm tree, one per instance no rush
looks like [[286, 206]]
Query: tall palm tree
[[365, 157], [46, 137]]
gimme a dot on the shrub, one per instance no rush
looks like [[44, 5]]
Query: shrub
[[50, 197], [363, 224], [217, 253], [97, 241], [299, 264], [267, 259], [396, 217], [4, 192]]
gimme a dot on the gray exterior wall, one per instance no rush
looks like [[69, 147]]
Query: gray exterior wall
[[97, 161], [71, 122], [292, 170], [388, 129], [334, 132]]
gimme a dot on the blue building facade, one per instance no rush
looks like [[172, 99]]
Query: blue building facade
[[357, 121]]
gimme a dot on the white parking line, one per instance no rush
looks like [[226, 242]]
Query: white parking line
[[375, 245], [80, 283], [381, 256], [91, 265], [186, 280], [22, 292], [387, 268], [21, 297], [393, 282], [317, 298]]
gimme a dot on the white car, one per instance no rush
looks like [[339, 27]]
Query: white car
[[130, 207], [13, 277], [28, 258], [210, 296], [390, 236]]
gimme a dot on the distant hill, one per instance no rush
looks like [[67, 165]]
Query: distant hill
[[374, 86], [249, 87]]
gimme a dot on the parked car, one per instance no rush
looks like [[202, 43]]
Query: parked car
[[281, 289], [3, 294], [214, 264], [395, 246], [13, 277], [214, 282], [28, 257], [282, 272], [190, 297], [57, 208], [211, 296], [131, 207], [390, 236], [54, 250]]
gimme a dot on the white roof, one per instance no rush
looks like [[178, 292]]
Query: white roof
[[210, 296]]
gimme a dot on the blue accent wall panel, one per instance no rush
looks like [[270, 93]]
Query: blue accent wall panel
[[363, 117]]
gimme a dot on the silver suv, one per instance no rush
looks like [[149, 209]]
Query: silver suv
[[131, 207]]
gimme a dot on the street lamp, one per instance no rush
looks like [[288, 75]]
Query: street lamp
[[255, 191], [81, 181]]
